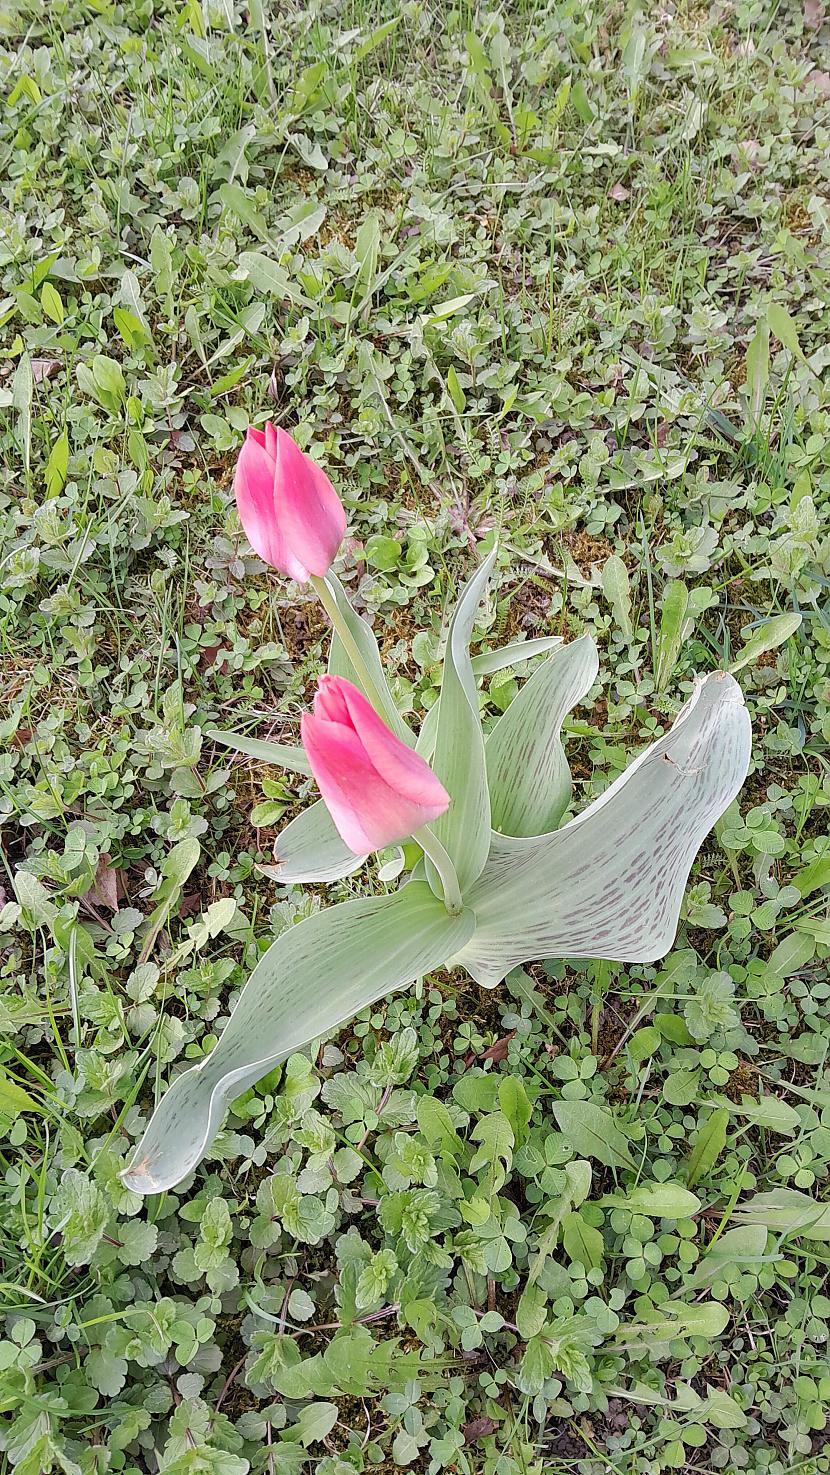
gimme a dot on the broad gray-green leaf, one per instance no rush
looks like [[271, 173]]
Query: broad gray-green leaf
[[485, 664], [527, 771], [428, 732], [314, 978], [489, 661], [310, 849], [464, 830], [610, 883], [282, 755], [593, 1132], [391, 869], [364, 638]]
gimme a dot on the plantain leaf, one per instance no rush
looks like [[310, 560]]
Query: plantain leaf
[[744, 1245], [785, 1211], [710, 1140], [781, 324], [757, 374], [464, 829], [675, 605], [610, 883], [593, 1132], [581, 1242], [527, 771], [655, 1200], [770, 1113], [817, 873], [14, 1100], [315, 977], [268, 277], [281, 754], [617, 590], [768, 636], [364, 638], [310, 849], [674, 1319]]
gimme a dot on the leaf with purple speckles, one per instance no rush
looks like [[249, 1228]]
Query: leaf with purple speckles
[[610, 883]]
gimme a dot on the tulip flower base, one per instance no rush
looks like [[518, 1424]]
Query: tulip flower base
[[500, 880]]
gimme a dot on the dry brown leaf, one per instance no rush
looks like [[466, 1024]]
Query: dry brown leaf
[[104, 893], [478, 1429], [496, 1052], [44, 369]]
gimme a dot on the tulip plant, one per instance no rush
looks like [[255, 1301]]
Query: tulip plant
[[498, 880]]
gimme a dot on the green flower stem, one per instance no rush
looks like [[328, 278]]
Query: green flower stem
[[432, 847], [371, 689], [429, 843]]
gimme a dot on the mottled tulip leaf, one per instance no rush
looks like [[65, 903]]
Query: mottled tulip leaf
[[364, 638], [459, 744], [610, 883], [527, 771], [428, 732], [485, 664], [310, 849], [282, 755], [488, 661], [315, 977]]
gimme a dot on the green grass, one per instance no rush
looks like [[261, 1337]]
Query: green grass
[[498, 269]]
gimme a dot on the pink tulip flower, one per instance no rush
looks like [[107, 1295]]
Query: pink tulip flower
[[377, 790], [289, 509]]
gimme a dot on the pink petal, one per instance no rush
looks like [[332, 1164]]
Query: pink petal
[[254, 490], [367, 813], [399, 766], [311, 516], [329, 702]]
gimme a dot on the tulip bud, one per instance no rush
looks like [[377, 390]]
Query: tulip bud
[[377, 789], [289, 509]]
